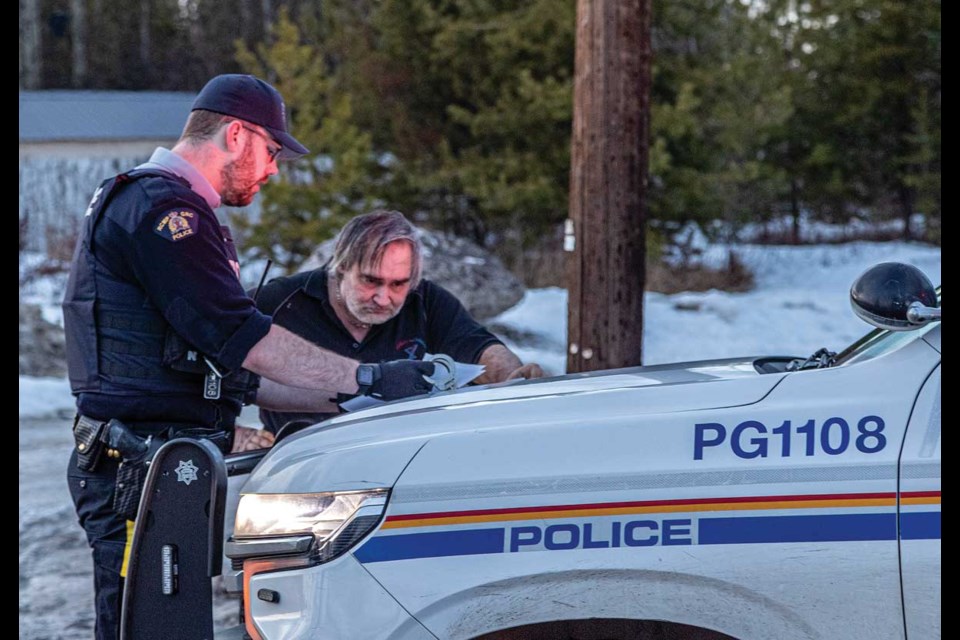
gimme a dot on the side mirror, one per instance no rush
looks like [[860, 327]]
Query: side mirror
[[894, 296]]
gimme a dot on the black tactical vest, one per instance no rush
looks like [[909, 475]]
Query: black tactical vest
[[120, 347]]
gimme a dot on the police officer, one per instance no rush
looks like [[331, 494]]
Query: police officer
[[160, 333]]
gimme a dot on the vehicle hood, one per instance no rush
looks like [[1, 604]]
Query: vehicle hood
[[370, 448]]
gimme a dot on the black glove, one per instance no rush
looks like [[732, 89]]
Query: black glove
[[394, 380]]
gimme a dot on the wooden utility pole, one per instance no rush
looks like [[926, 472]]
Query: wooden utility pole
[[605, 234]]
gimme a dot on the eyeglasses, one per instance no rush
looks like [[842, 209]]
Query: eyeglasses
[[272, 151]]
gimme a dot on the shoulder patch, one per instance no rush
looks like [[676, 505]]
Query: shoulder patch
[[177, 224]]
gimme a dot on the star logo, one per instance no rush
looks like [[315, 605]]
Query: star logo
[[186, 472]]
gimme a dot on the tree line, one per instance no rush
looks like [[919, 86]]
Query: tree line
[[458, 112]]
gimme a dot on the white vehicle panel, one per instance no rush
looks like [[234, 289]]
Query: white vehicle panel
[[360, 451], [668, 508], [297, 467], [353, 605], [692, 585], [662, 376], [932, 338], [920, 515]]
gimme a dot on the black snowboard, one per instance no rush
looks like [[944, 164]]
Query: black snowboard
[[177, 544]]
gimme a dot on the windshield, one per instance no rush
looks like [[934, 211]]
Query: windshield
[[880, 341]]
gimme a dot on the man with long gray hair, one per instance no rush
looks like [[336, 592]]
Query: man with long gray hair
[[370, 303]]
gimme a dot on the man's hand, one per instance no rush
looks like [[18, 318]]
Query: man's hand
[[527, 372], [399, 379], [501, 364], [247, 439]]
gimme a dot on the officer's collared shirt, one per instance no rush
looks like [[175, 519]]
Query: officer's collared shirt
[[167, 160]]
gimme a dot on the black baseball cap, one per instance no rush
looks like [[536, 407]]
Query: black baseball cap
[[251, 99]]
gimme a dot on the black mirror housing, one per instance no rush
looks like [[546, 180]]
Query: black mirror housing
[[884, 294]]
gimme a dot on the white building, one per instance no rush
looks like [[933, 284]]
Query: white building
[[70, 141]]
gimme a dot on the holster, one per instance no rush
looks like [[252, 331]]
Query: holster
[[87, 440], [136, 453], [130, 478]]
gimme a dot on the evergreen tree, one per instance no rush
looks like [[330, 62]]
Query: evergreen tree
[[315, 195], [718, 106]]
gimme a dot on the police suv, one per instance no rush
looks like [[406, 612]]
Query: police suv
[[765, 497]]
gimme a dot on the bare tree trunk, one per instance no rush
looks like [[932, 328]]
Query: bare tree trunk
[[795, 208], [905, 197], [247, 31], [97, 56], [608, 180], [78, 26], [267, 7], [145, 35], [31, 60]]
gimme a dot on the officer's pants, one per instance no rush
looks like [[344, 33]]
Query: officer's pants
[[92, 494]]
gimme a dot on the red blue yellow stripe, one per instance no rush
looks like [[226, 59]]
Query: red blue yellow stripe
[[687, 505], [842, 517]]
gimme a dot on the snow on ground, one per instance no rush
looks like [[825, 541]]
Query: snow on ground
[[46, 291], [814, 231], [800, 303], [45, 397]]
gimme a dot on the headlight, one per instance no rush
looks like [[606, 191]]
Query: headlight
[[280, 514], [279, 531], [274, 524]]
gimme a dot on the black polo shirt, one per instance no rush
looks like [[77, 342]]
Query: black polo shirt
[[431, 320]]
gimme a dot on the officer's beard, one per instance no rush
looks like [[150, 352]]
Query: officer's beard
[[239, 180]]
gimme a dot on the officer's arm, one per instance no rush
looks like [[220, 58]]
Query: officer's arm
[[285, 357], [502, 364], [280, 397]]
